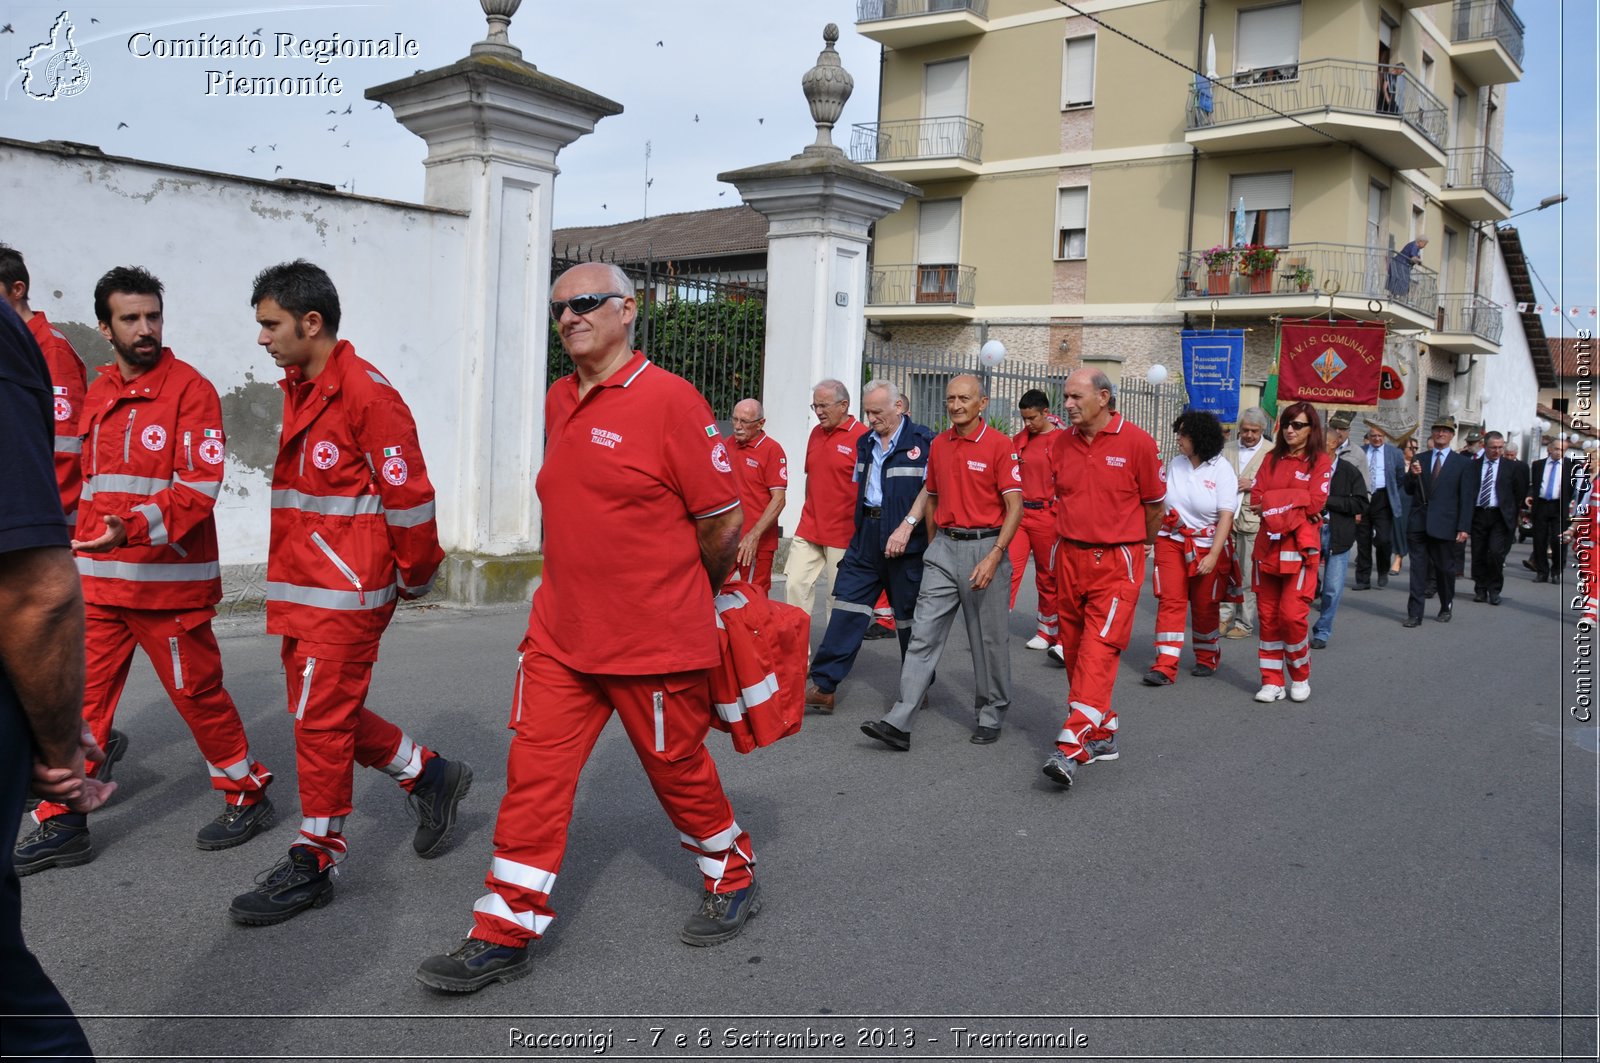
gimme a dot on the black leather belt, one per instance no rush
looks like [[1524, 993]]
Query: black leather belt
[[969, 534], [1034, 505], [873, 512]]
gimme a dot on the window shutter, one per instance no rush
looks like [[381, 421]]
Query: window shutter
[[1268, 36], [939, 232], [1261, 191], [944, 92], [1072, 222], [1077, 78]]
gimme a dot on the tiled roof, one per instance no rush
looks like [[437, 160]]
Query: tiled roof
[[691, 235], [1521, 277], [1572, 357]]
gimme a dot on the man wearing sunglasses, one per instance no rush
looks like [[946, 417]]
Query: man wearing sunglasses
[[638, 492], [762, 470]]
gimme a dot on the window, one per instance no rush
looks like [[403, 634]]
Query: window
[[1416, 223], [1427, 71], [1266, 208], [1077, 73], [1072, 222], [1267, 47], [938, 251]]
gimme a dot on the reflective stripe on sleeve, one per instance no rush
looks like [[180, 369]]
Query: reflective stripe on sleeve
[[69, 445], [122, 484], [408, 518], [137, 572], [327, 505], [210, 488], [158, 527], [321, 598]]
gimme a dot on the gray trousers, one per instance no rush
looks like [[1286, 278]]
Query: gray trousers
[[946, 586]]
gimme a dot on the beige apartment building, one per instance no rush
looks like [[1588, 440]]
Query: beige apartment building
[[1073, 179]]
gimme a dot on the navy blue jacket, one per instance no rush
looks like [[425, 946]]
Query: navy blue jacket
[[1444, 505], [904, 471]]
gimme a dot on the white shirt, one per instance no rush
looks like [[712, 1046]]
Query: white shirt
[[1246, 456], [1200, 496]]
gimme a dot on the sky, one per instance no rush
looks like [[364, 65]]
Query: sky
[[707, 86]]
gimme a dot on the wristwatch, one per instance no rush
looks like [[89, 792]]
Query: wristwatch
[[911, 521]]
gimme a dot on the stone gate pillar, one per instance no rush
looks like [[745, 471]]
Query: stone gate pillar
[[493, 124], [819, 206]]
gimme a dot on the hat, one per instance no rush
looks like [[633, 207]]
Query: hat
[[1444, 420], [1341, 420], [1474, 436]]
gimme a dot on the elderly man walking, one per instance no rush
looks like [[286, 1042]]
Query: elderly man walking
[[826, 519], [762, 471], [976, 490], [1245, 454]]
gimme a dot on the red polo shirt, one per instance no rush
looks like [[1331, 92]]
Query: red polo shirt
[[1033, 452], [969, 476], [829, 516], [70, 382], [761, 468], [627, 472], [1105, 483]]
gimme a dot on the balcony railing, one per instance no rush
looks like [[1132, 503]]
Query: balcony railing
[[878, 10], [1351, 272], [921, 285], [1470, 312], [1485, 20], [1479, 168], [909, 139], [1322, 85]]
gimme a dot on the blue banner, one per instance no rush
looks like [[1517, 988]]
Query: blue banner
[[1213, 361]]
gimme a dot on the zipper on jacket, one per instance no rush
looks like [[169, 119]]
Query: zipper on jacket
[[127, 438], [349, 573]]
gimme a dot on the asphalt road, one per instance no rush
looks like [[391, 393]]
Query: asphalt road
[[1404, 865]]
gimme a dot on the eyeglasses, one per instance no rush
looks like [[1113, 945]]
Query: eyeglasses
[[587, 303], [824, 405], [748, 420], [1298, 426]]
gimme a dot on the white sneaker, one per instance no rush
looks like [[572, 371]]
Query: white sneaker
[[1299, 691], [1057, 655], [1274, 693], [1038, 642]]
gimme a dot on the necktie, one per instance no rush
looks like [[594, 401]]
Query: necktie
[[1372, 462], [1438, 462], [1487, 490], [1551, 470]]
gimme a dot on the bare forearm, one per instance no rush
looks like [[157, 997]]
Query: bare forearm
[[1153, 512], [769, 516], [41, 646], [719, 544]]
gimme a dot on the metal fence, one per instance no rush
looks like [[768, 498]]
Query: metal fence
[[1482, 20], [707, 327], [1153, 407], [1479, 167], [911, 285], [1470, 312], [951, 136], [875, 10], [1350, 270]]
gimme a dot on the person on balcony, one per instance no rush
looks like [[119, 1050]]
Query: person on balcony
[[1400, 267]]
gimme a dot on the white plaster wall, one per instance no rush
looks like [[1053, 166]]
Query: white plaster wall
[[397, 267], [1510, 392]]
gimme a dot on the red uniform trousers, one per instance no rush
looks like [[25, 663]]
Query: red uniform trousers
[[1098, 591], [557, 715], [184, 653], [334, 730], [1283, 609], [1178, 593], [758, 571], [1037, 536]]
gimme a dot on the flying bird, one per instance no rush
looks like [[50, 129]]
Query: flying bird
[[602, 206], [661, 44], [274, 147], [348, 109], [332, 111], [697, 118], [649, 182], [761, 121], [333, 129], [7, 28], [257, 32], [377, 107], [723, 192], [122, 125], [252, 149], [347, 143], [277, 169], [94, 20]]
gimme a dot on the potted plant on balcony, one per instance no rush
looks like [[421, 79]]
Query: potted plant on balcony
[[1257, 262], [1302, 278], [1219, 269]]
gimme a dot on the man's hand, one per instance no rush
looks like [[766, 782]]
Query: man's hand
[[747, 550], [115, 535], [68, 785], [898, 539], [983, 574], [1246, 482], [1461, 537]]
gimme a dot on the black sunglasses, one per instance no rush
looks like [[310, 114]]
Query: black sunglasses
[[587, 303], [1298, 426]]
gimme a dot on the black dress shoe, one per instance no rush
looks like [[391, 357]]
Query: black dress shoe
[[1541, 579], [983, 736], [1319, 644], [878, 631], [1361, 586], [1494, 599], [1383, 581], [1480, 596], [1528, 564], [1412, 621], [1443, 617], [888, 734]]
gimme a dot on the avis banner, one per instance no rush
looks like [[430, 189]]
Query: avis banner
[[1336, 363]]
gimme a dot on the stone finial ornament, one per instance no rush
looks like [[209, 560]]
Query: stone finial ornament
[[498, 42], [827, 86]]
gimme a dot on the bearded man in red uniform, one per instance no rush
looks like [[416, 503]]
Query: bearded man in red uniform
[[762, 470], [634, 471], [146, 544], [1111, 495], [68, 379], [352, 529]]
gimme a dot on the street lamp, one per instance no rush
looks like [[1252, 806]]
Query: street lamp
[[1547, 201]]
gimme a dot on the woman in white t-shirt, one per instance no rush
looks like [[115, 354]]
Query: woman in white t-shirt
[[1193, 562]]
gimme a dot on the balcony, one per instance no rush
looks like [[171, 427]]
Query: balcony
[[1305, 276], [1486, 41], [909, 23], [1477, 185], [922, 292], [1466, 323], [1383, 109], [920, 149]]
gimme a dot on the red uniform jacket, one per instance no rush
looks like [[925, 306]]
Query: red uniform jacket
[[1290, 495], [352, 509], [758, 692], [152, 456], [69, 380]]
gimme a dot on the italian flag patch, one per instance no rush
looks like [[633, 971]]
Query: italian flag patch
[[711, 431], [213, 433], [391, 452]]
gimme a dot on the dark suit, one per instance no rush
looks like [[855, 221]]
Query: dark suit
[[1442, 509], [1375, 534], [1493, 525], [1550, 517]]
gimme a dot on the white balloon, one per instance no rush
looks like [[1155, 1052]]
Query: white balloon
[[992, 353], [1156, 374]]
